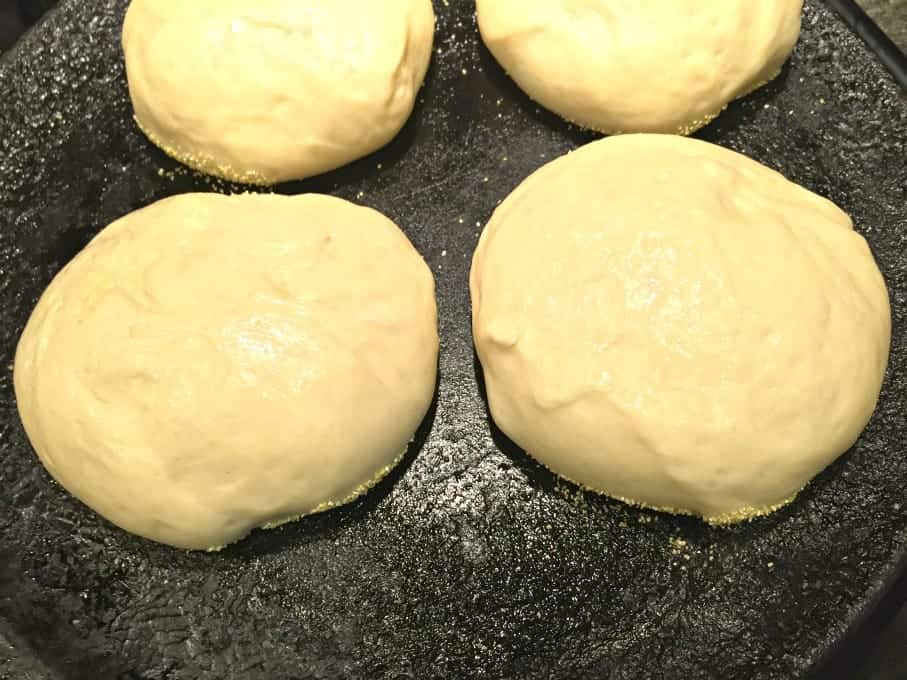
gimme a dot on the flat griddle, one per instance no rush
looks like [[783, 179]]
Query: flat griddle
[[470, 560]]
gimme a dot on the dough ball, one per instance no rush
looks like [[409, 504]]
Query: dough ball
[[677, 326], [275, 90], [213, 364], [657, 66]]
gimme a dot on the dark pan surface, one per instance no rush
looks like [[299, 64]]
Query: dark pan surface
[[470, 561]]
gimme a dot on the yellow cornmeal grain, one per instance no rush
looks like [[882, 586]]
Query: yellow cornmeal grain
[[735, 517], [678, 544], [328, 505], [748, 513], [206, 164], [689, 128]]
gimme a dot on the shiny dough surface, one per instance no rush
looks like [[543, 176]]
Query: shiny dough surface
[[665, 66], [673, 324], [212, 364], [275, 90]]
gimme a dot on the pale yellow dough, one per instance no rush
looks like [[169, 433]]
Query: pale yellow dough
[[629, 66], [275, 90], [213, 364], [675, 325]]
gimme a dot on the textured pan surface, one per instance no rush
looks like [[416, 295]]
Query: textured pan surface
[[470, 561]]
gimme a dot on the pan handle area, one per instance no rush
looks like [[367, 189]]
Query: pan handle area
[[860, 23]]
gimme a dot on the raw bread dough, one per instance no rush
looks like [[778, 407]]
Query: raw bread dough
[[212, 364], [629, 66], [275, 90], [675, 325]]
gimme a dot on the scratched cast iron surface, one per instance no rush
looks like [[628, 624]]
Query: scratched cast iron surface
[[470, 561]]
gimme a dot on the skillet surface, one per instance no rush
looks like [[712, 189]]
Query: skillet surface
[[470, 560]]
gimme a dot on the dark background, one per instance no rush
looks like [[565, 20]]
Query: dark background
[[883, 649]]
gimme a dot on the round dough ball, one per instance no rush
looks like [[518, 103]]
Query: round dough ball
[[677, 326], [275, 90], [657, 66], [213, 364]]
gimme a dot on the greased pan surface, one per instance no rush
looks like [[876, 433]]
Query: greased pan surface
[[470, 561]]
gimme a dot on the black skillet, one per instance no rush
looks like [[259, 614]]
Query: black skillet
[[470, 561]]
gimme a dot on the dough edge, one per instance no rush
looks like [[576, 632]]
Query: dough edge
[[685, 130], [205, 164], [739, 516], [359, 491]]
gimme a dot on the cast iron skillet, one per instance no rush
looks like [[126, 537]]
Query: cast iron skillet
[[470, 560], [863, 25]]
